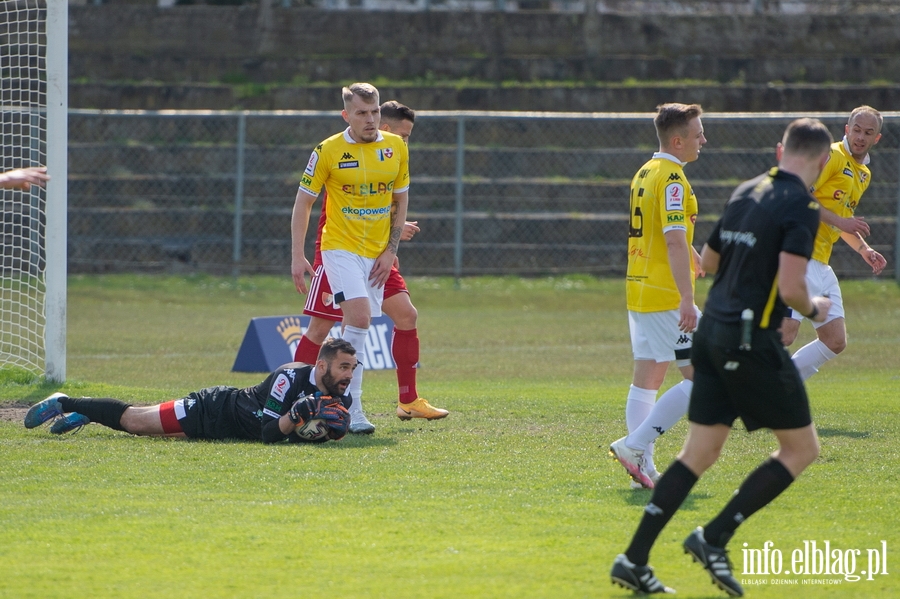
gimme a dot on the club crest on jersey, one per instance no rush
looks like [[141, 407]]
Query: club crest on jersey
[[863, 176], [328, 300], [675, 196], [280, 387], [385, 154]]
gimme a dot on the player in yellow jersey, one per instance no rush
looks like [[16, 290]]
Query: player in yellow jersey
[[659, 287], [839, 190], [399, 119], [366, 174]]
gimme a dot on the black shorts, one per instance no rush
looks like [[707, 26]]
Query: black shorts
[[760, 385], [208, 414]]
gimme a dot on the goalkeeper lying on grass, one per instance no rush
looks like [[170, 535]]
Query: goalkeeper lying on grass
[[270, 412]]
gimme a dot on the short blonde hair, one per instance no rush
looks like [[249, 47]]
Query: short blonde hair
[[366, 91]]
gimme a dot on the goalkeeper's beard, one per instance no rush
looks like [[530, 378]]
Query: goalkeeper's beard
[[334, 387]]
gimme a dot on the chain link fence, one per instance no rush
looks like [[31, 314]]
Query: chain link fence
[[494, 193]]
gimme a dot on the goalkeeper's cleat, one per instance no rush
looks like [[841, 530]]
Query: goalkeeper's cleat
[[639, 579], [72, 422], [714, 560], [633, 462], [360, 425], [420, 408], [44, 410]]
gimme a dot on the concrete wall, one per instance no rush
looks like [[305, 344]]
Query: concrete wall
[[299, 47]]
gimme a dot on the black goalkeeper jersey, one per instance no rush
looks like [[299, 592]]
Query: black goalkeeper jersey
[[251, 413], [765, 216]]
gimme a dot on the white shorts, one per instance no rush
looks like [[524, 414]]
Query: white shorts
[[348, 274], [821, 280], [656, 336]]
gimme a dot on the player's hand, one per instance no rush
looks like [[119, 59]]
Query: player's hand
[[382, 268], [823, 305], [687, 321], [302, 410], [397, 262], [698, 270], [855, 225], [311, 407], [299, 271], [335, 415], [410, 228], [24, 178], [873, 259]]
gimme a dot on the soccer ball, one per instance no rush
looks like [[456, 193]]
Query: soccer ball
[[314, 430]]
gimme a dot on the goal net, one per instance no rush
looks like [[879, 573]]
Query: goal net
[[33, 121]]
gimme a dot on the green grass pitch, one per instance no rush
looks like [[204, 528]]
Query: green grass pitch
[[513, 495]]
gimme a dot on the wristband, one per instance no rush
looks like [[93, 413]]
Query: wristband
[[814, 313]]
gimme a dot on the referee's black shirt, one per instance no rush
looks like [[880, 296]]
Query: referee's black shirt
[[767, 215]]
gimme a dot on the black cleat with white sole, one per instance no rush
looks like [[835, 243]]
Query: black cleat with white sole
[[639, 579], [715, 561]]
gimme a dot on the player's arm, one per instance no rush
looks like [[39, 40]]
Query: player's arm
[[385, 261], [859, 245], [699, 271], [410, 228], [277, 429], [793, 291], [852, 225], [709, 259], [24, 178], [828, 190], [680, 263], [300, 266]]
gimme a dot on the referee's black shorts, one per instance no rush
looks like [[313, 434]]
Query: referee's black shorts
[[760, 385]]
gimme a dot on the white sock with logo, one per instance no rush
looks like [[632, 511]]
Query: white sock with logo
[[356, 337], [672, 405], [809, 358], [638, 406]]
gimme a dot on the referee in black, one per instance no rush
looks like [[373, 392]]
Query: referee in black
[[758, 251]]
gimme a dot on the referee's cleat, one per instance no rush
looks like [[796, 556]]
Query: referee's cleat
[[72, 422], [633, 462], [360, 425], [714, 560], [420, 408], [639, 579], [44, 410]]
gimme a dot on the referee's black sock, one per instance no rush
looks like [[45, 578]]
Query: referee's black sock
[[101, 410], [668, 494], [758, 490]]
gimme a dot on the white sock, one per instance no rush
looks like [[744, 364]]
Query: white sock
[[672, 405], [356, 337], [809, 358], [649, 466], [638, 406]]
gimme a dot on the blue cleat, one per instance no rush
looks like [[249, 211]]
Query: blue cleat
[[72, 422], [44, 410]]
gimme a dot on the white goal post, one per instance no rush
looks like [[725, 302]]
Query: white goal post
[[33, 123]]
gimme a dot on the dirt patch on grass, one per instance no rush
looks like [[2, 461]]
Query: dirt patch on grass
[[12, 413]]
